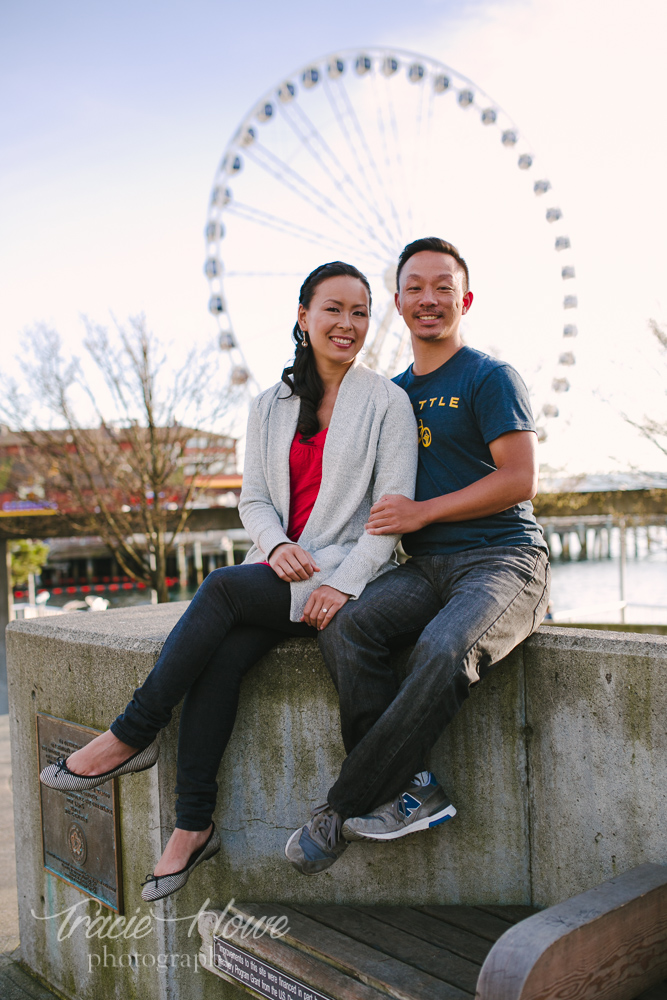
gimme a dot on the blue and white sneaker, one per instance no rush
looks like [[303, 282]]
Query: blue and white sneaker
[[317, 845], [422, 805]]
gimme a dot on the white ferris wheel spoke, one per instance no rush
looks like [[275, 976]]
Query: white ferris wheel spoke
[[281, 171], [399, 184], [377, 185], [375, 349], [288, 227], [345, 184], [424, 131]]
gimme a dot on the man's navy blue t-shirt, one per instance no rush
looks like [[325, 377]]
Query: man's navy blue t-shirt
[[461, 407]]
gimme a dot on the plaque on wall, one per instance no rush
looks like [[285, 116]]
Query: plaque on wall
[[80, 831]]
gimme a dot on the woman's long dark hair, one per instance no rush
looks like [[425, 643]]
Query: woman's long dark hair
[[305, 381]]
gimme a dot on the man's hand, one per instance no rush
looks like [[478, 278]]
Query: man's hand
[[322, 605], [292, 563], [513, 481], [394, 514]]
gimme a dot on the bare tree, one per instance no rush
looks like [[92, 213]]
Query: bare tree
[[130, 478], [653, 428]]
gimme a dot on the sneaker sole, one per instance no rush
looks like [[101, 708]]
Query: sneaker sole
[[297, 833], [302, 866], [449, 812]]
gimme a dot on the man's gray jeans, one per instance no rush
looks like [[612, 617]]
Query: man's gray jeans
[[465, 612]]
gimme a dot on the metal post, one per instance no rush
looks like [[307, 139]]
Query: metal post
[[565, 545], [583, 541], [227, 547], [622, 563], [182, 566], [199, 565], [153, 564], [5, 617]]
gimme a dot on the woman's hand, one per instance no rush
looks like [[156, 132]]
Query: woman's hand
[[292, 563], [322, 605]]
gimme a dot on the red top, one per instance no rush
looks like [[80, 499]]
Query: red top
[[305, 473]]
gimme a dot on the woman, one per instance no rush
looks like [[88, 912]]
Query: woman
[[322, 446]]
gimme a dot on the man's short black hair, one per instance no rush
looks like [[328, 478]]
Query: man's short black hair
[[435, 245]]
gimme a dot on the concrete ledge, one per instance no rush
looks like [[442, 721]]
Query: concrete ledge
[[556, 765]]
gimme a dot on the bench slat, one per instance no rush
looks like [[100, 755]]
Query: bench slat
[[406, 947], [406, 918], [469, 918], [512, 913], [354, 958]]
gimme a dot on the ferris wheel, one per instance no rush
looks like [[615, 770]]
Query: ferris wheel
[[352, 157]]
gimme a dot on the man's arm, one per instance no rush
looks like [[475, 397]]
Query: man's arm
[[514, 480]]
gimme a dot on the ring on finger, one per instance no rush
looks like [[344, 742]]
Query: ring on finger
[[325, 610]]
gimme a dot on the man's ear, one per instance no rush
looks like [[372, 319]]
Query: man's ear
[[397, 300], [467, 302]]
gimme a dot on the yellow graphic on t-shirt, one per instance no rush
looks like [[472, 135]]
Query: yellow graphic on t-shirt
[[453, 402], [424, 434]]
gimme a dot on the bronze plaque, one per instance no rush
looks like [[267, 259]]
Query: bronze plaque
[[80, 833]]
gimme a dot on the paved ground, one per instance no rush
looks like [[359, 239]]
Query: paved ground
[[15, 983], [9, 917]]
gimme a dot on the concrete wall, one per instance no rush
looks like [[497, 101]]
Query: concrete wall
[[556, 765], [5, 615], [596, 712]]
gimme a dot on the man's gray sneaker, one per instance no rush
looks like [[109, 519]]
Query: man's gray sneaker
[[419, 807], [315, 846]]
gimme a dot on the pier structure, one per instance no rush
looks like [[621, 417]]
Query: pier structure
[[599, 536]]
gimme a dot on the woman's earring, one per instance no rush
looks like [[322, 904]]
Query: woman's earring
[[304, 338]]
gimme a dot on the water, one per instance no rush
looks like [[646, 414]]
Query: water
[[123, 598], [590, 589]]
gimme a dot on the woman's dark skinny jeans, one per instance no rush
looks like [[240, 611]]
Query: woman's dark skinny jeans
[[238, 614]]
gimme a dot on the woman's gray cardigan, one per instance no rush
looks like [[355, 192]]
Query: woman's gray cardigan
[[370, 449]]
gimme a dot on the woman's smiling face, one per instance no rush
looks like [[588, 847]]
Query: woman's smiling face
[[336, 321]]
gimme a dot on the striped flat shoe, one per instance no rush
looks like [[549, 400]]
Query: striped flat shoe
[[59, 776], [159, 886]]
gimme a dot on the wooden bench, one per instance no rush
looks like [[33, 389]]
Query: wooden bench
[[609, 943]]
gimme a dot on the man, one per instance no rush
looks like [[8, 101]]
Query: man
[[477, 582]]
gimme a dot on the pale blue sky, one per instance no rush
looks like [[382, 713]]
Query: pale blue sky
[[113, 119]]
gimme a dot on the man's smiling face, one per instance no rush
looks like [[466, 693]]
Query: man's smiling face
[[432, 297]]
